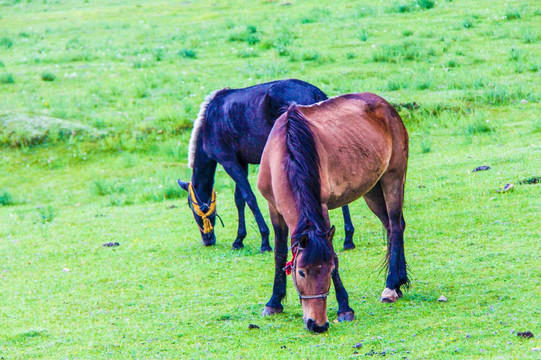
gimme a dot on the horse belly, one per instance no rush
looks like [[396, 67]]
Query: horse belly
[[251, 148], [350, 191]]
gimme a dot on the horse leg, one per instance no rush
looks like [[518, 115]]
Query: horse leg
[[239, 201], [393, 189], [274, 305], [349, 229], [345, 313], [403, 266], [235, 170], [376, 202]]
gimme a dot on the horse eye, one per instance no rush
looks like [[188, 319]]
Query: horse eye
[[301, 273]]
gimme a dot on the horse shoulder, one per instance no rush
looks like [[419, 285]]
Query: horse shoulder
[[264, 179]]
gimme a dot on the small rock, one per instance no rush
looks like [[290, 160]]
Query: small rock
[[524, 101], [536, 349], [468, 336], [172, 206], [358, 345], [506, 188], [442, 299], [525, 334], [253, 326], [66, 269], [481, 168]]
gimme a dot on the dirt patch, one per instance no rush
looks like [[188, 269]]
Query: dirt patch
[[111, 244]]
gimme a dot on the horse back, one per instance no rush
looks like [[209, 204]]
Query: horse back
[[238, 121], [359, 138]]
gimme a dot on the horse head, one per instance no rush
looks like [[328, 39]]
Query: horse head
[[203, 212], [312, 268]]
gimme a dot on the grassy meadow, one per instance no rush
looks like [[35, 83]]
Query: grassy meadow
[[97, 101]]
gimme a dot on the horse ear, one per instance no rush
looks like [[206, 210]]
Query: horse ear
[[330, 234], [183, 184], [303, 241]]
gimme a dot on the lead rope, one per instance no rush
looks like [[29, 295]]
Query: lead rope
[[207, 225]]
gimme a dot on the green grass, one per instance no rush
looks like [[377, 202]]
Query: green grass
[[48, 76], [188, 53], [6, 198], [7, 78], [93, 157]]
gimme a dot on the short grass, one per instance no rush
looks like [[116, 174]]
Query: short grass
[[96, 107]]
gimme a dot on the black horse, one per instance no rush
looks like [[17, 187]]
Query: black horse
[[231, 129]]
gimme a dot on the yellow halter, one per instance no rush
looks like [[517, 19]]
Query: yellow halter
[[207, 226]]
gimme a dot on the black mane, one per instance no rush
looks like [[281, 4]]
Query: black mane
[[302, 169]]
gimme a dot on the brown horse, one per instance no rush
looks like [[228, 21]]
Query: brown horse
[[322, 157]]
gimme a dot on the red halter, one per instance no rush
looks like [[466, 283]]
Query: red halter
[[290, 268], [289, 265]]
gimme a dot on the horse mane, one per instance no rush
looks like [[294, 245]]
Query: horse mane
[[302, 169], [197, 125]]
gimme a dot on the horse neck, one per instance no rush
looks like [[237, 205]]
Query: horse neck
[[204, 169]]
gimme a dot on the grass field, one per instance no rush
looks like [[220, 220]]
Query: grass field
[[96, 105]]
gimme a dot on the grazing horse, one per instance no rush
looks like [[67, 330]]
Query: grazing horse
[[231, 129], [321, 157]]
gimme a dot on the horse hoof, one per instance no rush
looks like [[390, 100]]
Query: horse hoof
[[346, 316], [389, 296], [268, 311], [349, 246], [266, 248], [399, 292], [237, 246]]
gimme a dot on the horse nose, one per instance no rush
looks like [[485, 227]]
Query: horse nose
[[312, 326], [209, 239]]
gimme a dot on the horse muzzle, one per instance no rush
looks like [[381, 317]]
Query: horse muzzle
[[209, 239], [312, 326]]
